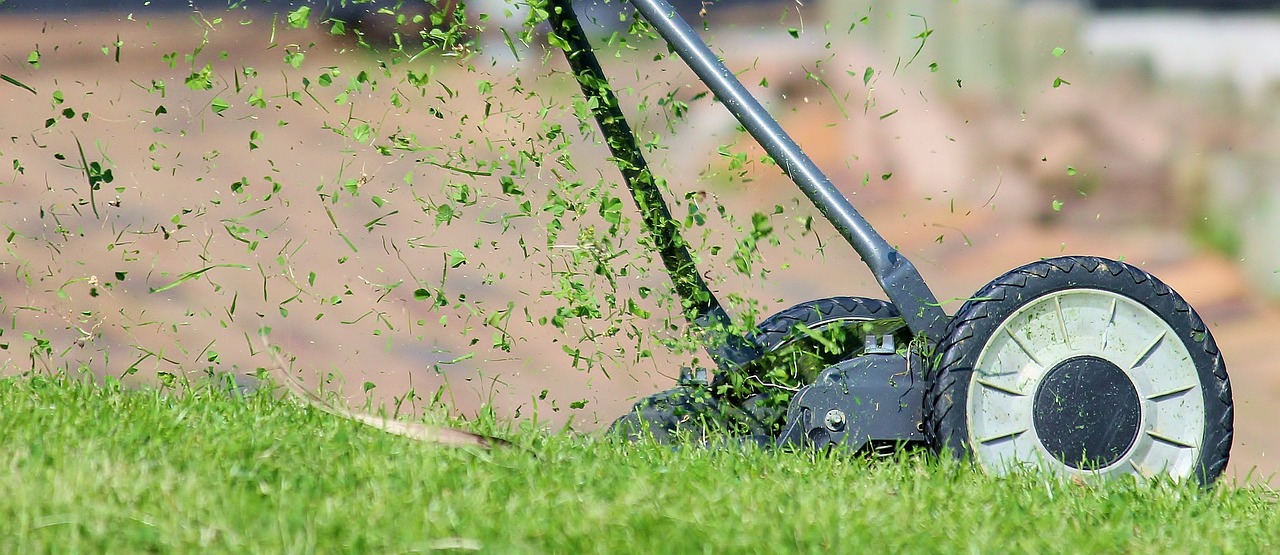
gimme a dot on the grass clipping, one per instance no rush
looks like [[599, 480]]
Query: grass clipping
[[442, 435]]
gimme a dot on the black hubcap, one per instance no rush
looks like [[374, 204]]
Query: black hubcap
[[1087, 412]]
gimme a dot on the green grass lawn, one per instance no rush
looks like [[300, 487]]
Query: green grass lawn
[[93, 469]]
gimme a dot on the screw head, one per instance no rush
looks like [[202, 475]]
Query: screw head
[[835, 420]]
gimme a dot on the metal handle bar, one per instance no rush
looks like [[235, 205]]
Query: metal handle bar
[[898, 277]]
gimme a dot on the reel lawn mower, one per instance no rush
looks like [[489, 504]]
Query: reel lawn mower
[[1077, 365]]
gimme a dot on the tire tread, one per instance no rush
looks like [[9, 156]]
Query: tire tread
[[946, 430]]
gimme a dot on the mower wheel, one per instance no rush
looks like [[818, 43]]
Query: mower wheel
[[688, 413], [692, 412], [1081, 366], [782, 330], [778, 330]]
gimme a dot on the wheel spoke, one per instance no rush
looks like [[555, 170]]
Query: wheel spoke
[[1021, 345], [1005, 435], [1170, 393], [1144, 472], [1111, 322], [1000, 387], [1151, 347], [1170, 440], [1062, 321]]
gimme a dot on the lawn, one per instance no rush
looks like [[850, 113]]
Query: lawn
[[100, 469]]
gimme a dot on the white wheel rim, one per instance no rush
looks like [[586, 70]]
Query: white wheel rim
[[1086, 322]]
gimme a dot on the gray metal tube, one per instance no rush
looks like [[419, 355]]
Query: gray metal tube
[[690, 47], [896, 275]]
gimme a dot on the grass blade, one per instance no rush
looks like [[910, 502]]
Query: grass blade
[[17, 83], [193, 275], [84, 165], [442, 435]]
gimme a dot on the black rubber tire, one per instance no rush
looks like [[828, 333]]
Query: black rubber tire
[[947, 418], [680, 414], [776, 330], [691, 412]]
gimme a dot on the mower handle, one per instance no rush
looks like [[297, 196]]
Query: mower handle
[[897, 276]]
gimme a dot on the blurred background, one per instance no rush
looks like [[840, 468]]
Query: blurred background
[[253, 172]]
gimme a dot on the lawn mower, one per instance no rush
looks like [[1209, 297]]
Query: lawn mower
[[1077, 365]]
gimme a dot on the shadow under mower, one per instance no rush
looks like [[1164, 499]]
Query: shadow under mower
[[1075, 365]]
